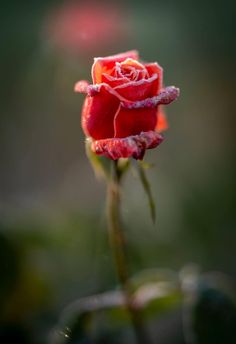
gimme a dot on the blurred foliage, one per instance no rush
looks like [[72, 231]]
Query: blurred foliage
[[53, 242], [214, 318]]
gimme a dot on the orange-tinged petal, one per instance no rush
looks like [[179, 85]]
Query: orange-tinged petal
[[162, 123], [132, 63]]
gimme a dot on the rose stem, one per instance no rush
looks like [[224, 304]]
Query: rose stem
[[118, 247]]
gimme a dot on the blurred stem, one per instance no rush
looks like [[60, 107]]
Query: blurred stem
[[118, 247]]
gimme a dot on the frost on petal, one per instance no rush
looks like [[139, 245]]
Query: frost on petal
[[154, 68], [112, 81], [103, 64], [81, 86], [132, 146], [132, 63], [137, 90], [166, 96]]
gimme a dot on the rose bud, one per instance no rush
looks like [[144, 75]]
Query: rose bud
[[121, 113]]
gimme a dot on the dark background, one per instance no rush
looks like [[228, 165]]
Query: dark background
[[53, 240]]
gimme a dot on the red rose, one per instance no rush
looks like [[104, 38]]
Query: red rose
[[121, 113]]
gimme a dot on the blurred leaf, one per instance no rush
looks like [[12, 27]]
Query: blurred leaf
[[123, 166], [210, 312], [74, 332], [214, 318], [146, 165], [147, 189], [95, 319], [103, 318], [100, 164], [153, 276], [157, 290]]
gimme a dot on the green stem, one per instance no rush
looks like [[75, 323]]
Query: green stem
[[118, 247]]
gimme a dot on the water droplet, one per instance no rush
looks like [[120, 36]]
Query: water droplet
[[59, 336]]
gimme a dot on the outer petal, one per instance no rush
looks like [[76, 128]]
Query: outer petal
[[81, 86], [98, 114], [132, 146], [138, 90], [154, 68], [132, 122], [93, 90], [166, 96], [162, 123], [102, 64]]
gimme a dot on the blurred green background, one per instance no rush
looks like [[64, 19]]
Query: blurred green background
[[53, 241]]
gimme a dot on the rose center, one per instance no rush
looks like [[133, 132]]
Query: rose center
[[130, 72]]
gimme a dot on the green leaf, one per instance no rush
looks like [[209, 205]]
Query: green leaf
[[146, 165], [123, 165], [210, 307], [147, 189], [156, 290], [100, 164]]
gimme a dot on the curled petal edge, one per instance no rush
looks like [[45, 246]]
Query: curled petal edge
[[91, 90], [166, 96], [131, 146], [81, 86]]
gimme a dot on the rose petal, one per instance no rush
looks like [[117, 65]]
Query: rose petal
[[166, 96], [137, 90], [98, 114], [132, 63], [112, 81], [132, 122], [132, 146], [93, 90], [102, 64], [81, 86], [162, 123], [154, 68], [143, 74]]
